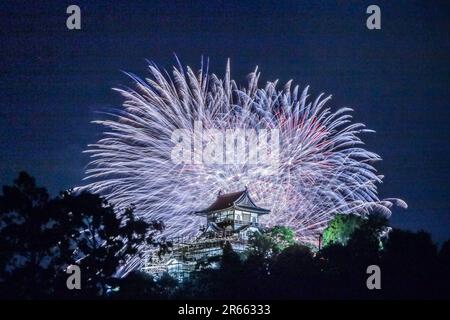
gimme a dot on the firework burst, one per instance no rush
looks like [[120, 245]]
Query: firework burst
[[323, 168]]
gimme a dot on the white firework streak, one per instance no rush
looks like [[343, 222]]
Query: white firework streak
[[323, 167]]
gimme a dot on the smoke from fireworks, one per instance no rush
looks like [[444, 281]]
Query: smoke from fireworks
[[323, 167]]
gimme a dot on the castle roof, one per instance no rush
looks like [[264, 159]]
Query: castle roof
[[239, 200]]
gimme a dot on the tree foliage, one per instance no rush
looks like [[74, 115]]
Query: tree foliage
[[340, 229], [271, 242], [40, 237]]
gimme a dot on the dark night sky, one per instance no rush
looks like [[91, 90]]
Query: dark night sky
[[52, 80]]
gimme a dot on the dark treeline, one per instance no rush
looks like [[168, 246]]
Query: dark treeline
[[411, 268], [40, 237]]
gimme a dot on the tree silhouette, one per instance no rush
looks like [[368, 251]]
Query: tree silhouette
[[41, 237], [410, 267], [93, 236], [27, 261], [295, 271], [444, 254], [141, 285]]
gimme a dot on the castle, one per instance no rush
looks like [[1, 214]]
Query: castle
[[232, 218]]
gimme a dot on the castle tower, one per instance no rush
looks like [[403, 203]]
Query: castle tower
[[232, 218], [232, 214]]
